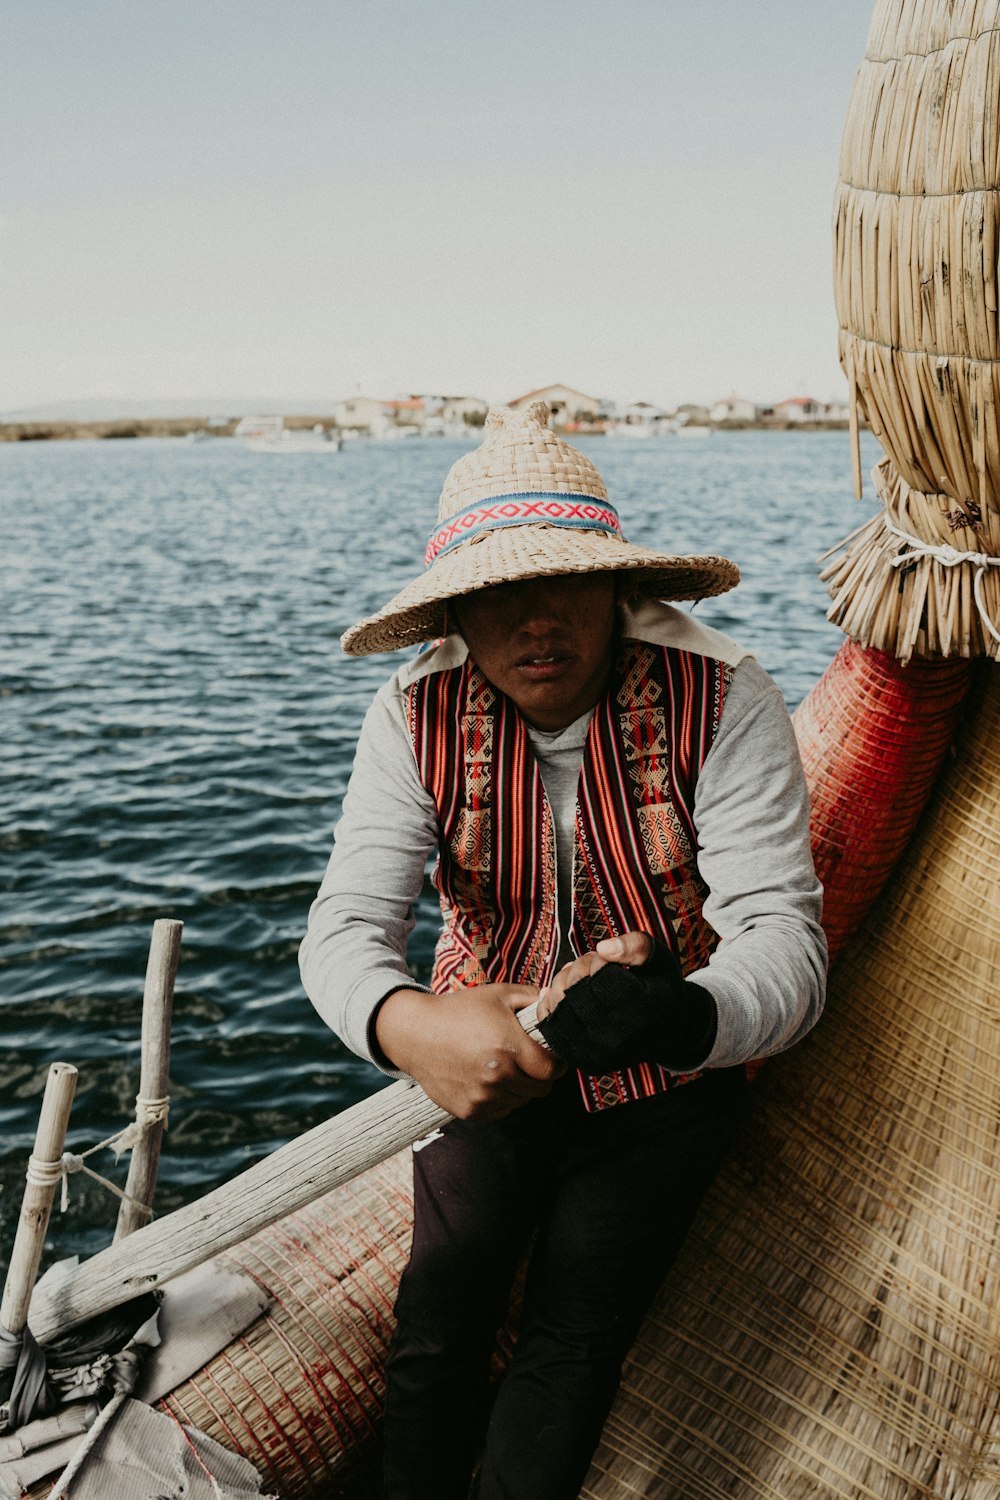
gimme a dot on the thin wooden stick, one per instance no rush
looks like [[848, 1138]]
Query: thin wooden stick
[[157, 1010], [43, 1178]]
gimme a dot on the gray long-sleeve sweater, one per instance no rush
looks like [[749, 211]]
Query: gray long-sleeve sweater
[[767, 974]]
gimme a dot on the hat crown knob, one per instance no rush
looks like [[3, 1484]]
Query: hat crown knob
[[508, 421]]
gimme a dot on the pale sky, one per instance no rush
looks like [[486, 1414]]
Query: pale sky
[[208, 197]]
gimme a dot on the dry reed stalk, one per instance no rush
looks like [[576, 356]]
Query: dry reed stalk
[[855, 431], [833, 1329]]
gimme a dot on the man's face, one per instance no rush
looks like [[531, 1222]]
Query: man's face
[[545, 642]]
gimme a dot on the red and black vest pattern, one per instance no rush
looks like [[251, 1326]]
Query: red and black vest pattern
[[634, 859]]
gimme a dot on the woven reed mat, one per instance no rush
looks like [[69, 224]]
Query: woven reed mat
[[833, 1327], [300, 1392], [917, 288], [872, 735]]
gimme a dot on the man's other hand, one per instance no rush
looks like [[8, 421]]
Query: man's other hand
[[467, 1049]]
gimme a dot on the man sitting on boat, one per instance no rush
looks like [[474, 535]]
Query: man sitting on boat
[[615, 799]]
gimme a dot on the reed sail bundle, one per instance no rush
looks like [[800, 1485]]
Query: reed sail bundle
[[917, 239]]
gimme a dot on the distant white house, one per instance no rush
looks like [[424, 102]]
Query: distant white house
[[408, 415], [799, 409], [456, 409], [359, 412], [733, 409], [690, 414], [565, 403], [641, 413], [405, 411]]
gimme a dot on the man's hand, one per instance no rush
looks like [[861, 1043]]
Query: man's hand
[[628, 1003], [467, 1049], [632, 949]]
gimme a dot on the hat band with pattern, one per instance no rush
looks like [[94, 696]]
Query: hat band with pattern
[[526, 504], [581, 512]]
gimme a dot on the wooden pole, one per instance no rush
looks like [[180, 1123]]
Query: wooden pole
[[43, 1178], [154, 1073], [288, 1179]]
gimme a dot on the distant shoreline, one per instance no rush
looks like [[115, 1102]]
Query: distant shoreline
[[181, 427], [130, 427]]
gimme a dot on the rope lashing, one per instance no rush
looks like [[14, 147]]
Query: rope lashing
[[148, 1112], [948, 557]]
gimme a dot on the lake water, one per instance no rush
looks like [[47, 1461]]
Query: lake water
[[178, 729]]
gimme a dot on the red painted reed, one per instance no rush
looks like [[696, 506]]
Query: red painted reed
[[872, 735]]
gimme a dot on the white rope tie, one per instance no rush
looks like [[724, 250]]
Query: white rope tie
[[151, 1111], [948, 557], [148, 1112]]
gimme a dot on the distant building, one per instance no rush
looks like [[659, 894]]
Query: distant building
[[798, 409], [641, 413], [691, 415], [835, 411], [565, 403], [734, 409], [405, 411], [412, 413], [361, 412], [469, 409]]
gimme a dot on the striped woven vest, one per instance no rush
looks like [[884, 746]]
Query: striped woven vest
[[634, 864]]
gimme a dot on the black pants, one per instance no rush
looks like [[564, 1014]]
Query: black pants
[[609, 1197]]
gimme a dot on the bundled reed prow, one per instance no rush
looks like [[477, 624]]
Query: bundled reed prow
[[917, 233]]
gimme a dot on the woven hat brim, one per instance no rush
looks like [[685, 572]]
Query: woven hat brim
[[417, 613]]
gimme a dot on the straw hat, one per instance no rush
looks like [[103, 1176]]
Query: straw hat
[[525, 505]]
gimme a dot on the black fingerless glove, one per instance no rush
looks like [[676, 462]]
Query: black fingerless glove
[[619, 1016]]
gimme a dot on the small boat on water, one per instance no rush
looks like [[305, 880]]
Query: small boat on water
[[270, 435], [634, 431]]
